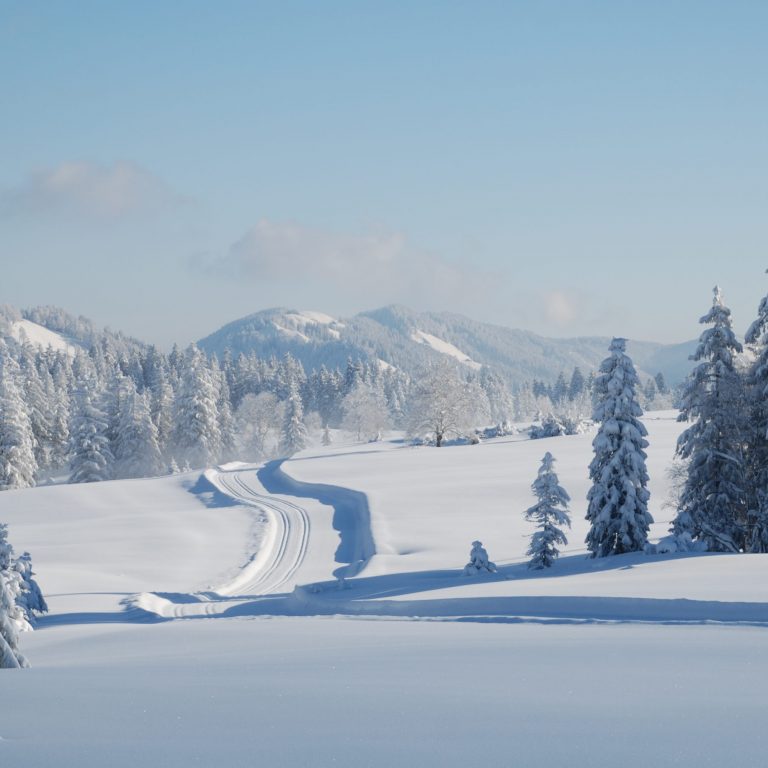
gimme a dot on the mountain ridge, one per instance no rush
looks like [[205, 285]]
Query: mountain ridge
[[406, 339]]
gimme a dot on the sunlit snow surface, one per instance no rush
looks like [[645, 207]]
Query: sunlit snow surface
[[199, 621], [40, 336]]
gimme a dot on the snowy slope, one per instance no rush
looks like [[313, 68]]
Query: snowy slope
[[444, 348], [199, 621], [38, 335]]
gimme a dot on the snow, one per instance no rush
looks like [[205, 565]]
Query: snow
[[320, 318], [42, 337], [305, 317], [445, 348], [313, 612], [291, 333]]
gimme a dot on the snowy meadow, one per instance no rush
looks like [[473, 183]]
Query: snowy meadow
[[199, 620]]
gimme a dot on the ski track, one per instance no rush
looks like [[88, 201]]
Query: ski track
[[269, 570], [267, 585]]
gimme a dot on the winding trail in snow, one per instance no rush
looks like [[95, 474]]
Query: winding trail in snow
[[273, 572], [270, 583]]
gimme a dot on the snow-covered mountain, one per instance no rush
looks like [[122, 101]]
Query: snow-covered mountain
[[400, 337]]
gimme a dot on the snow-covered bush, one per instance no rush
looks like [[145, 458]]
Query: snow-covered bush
[[681, 542], [478, 561], [30, 598], [555, 425], [12, 618], [500, 430]]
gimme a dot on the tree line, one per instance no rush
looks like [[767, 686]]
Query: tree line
[[123, 411]]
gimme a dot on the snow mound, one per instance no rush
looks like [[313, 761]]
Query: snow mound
[[445, 348]]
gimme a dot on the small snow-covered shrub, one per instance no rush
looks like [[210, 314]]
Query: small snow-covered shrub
[[682, 542], [500, 430], [556, 425], [478, 561]]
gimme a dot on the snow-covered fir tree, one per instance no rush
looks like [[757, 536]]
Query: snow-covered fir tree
[[91, 458], [226, 418], [713, 506], [10, 655], [30, 598], [294, 433], [11, 614], [17, 457], [137, 452], [756, 460], [618, 499], [38, 405], [578, 384], [550, 513], [196, 436]]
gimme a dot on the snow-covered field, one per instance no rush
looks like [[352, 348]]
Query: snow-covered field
[[200, 620]]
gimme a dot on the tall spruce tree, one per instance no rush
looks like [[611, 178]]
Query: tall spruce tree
[[550, 513], [91, 458], [294, 433], [618, 499], [756, 459], [197, 436], [713, 506], [137, 452], [17, 457]]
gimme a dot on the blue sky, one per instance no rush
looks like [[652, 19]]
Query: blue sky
[[567, 167]]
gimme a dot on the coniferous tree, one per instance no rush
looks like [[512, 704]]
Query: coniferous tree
[[577, 385], [560, 390], [17, 458], [91, 458], [756, 460], [11, 614], [197, 436], [30, 598], [294, 433], [550, 513], [226, 419], [713, 501], [618, 499], [137, 452], [37, 404]]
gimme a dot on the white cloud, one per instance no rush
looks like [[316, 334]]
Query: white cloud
[[381, 265], [559, 309], [87, 189]]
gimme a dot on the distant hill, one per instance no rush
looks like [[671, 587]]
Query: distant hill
[[400, 337], [51, 326]]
